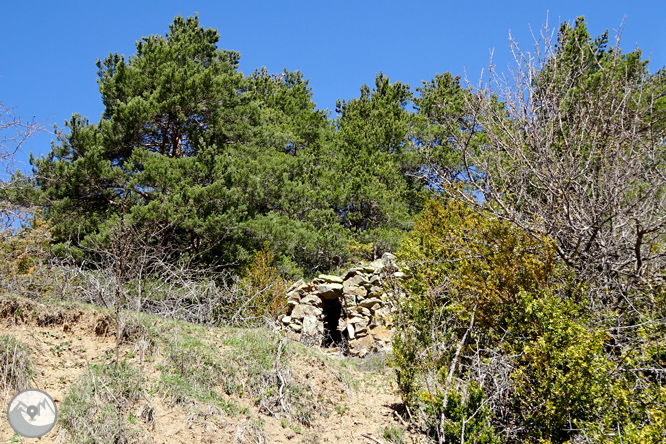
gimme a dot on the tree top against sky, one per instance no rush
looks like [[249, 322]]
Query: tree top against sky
[[48, 51]]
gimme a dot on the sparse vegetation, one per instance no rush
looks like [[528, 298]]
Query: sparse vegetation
[[99, 405], [311, 438], [341, 409], [393, 435], [250, 432], [16, 367], [191, 372]]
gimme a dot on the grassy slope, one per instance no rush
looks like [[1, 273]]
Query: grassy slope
[[178, 382]]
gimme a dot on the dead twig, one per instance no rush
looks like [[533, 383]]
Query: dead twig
[[279, 375], [365, 435], [400, 418]]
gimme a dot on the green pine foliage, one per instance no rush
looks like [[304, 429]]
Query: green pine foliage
[[378, 190], [212, 163]]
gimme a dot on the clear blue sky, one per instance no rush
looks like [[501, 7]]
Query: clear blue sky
[[48, 49]]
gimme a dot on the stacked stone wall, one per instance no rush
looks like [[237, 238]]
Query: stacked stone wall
[[365, 314]]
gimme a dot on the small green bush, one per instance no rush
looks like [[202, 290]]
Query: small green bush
[[393, 435]]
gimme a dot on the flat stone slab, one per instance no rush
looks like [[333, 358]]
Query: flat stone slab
[[311, 300], [355, 290], [312, 311], [350, 273], [297, 286], [358, 280], [381, 333], [298, 312], [367, 303], [330, 279], [361, 310], [328, 291]]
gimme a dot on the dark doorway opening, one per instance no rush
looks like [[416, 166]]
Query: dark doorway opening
[[332, 313]]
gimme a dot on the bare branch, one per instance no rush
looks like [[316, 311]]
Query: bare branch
[[14, 131]]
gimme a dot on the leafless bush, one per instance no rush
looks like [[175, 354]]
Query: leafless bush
[[14, 131], [176, 292], [130, 272], [574, 151]]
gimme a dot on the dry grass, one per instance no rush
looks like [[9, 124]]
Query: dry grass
[[100, 405], [16, 367], [250, 432]]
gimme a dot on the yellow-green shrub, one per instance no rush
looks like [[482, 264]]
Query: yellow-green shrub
[[22, 251], [480, 290], [262, 282]]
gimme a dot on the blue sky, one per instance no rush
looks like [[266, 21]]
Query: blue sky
[[48, 49]]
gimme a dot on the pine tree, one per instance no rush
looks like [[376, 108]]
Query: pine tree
[[378, 196], [216, 162]]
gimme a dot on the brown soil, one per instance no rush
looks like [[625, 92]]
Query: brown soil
[[65, 341]]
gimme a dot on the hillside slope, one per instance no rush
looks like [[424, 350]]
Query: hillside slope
[[182, 383]]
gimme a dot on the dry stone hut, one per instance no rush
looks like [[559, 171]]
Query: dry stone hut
[[352, 312]]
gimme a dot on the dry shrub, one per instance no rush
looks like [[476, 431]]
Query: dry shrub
[[16, 367], [133, 331], [250, 432], [264, 285]]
